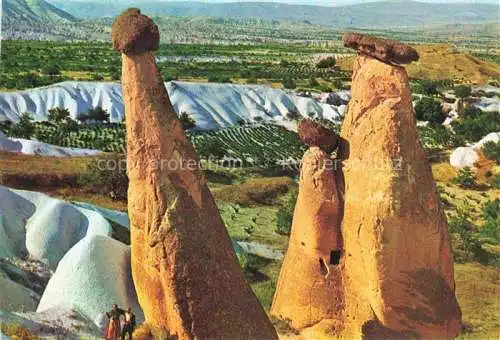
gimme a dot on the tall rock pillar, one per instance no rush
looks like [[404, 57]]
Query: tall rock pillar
[[398, 275], [187, 276], [309, 290]]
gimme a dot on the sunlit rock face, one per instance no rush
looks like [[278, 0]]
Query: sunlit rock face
[[186, 274], [398, 269]]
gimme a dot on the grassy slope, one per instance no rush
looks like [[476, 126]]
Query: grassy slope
[[440, 62]]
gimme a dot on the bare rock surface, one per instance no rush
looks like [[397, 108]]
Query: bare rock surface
[[398, 269], [386, 50], [186, 274]]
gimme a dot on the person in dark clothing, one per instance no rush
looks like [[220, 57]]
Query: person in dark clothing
[[128, 324]]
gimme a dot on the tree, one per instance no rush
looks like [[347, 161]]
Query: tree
[[58, 115], [106, 176], [465, 178], [211, 148], [491, 214], [471, 111], [473, 128], [492, 151], [289, 83], [97, 77], [115, 72], [464, 240], [284, 216], [98, 114], [428, 109], [313, 82], [186, 121], [326, 63], [24, 128], [462, 91], [28, 81], [430, 88], [52, 69]]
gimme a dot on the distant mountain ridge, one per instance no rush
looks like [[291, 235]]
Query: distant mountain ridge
[[373, 14], [30, 11]]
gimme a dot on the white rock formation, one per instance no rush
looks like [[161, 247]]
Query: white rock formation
[[466, 156], [91, 277], [212, 106], [43, 227]]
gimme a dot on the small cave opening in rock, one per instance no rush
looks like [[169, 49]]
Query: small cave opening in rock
[[335, 256]]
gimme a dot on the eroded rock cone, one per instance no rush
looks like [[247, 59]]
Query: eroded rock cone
[[398, 263], [309, 289], [186, 274]]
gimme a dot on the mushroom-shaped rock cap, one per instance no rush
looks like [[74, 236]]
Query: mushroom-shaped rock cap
[[314, 134], [134, 33], [388, 51]]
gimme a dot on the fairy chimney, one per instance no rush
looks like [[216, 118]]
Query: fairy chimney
[[398, 269], [309, 289], [186, 274]]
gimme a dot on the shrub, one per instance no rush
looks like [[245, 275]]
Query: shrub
[[284, 216], [471, 111], [97, 77], [211, 148], [114, 72], [252, 80], [58, 115], [430, 88], [492, 151], [465, 239], [313, 82], [462, 91], [15, 331], [5, 126], [293, 115], [439, 136], [325, 88], [337, 83], [251, 263], [326, 63], [218, 79], [97, 114], [289, 83], [465, 178], [491, 215], [69, 125], [428, 109], [52, 69], [24, 128], [186, 121], [28, 81], [473, 128], [107, 177]]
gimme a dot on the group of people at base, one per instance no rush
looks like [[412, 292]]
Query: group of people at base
[[115, 330]]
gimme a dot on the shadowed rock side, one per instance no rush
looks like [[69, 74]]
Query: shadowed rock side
[[186, 274], [309, 289], [398, 263], [314, 134], [389, 51]]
